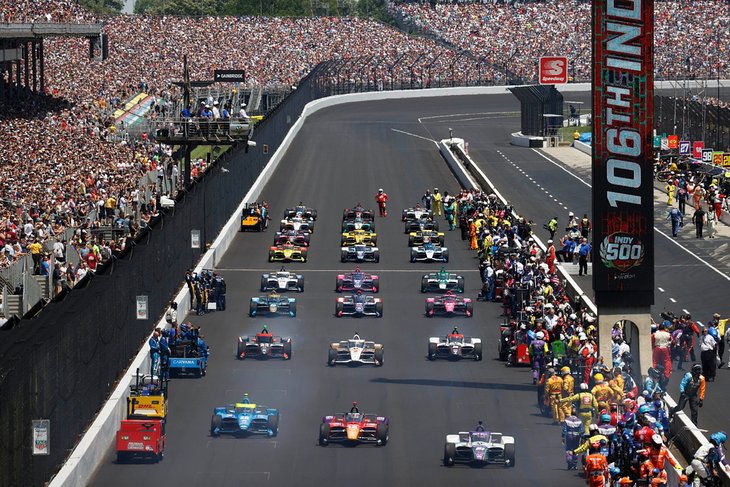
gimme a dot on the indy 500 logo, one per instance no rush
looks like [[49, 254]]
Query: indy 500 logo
[[621, 251]]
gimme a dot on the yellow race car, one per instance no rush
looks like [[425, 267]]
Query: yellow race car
[[416, 239], [288, 253], [362, 237]]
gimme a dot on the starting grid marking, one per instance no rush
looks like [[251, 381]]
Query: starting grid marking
[[367, 271], [539, 186]]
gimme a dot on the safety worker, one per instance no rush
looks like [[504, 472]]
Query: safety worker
[[219, 285], [646, 468], [381, 198], [568, 389], [602, 392], [472, 234], [587, 404], [670, 190], [594, 437], [692, 390], [552, 226], [436, 202], [538, 349], [616, 384], [585, 226], [554, 393], [586, 355], [550, 257]]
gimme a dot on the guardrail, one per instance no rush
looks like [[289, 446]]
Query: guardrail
[[684, 433]]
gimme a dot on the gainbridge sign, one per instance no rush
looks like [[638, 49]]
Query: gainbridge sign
[[623, 246]]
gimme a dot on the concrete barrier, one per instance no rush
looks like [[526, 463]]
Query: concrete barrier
[[583, 147]]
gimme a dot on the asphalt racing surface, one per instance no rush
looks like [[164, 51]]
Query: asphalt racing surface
[[341, 157]]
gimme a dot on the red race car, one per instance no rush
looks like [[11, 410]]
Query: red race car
[[449, 304], [354, 427]]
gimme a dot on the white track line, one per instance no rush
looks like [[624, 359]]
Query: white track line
[[341, 271], [414, 135]]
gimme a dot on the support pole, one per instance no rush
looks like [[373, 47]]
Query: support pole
[[28, 48], [42, 67], [34, 59], [188, 153]]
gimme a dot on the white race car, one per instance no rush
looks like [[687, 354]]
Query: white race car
[[355, 351], [454, 346], [479, 448], [282, 280]]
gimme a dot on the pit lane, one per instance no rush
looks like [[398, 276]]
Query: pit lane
[[341, 157]]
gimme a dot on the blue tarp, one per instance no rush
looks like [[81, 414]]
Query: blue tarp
[[586, 137]]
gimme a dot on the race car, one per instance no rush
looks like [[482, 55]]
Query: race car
[[449, 304], [355, 351], [263, 345], [358, 212], [359, 305], [479, 448], [353, 428], [300, 239], [251, 219], [356, 237], [352, 281], [359, 253], [454, 346], [357, 224], [245, 418], [428, 252], [301, 211], [416, 213], [282, 280], [418, 238], [273, 303], [442, 281], [297, 223], [421, 224], [287, 252]]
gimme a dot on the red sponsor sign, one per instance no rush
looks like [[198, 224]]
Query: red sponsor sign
[[673, 141], [697, 149], [623, 94], [553, 70]]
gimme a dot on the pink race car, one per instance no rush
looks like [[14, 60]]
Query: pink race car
[[449, 304]]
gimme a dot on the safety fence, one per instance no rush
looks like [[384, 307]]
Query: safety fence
[[693, 118]]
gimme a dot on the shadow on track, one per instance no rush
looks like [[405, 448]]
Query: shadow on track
[[456, 383]]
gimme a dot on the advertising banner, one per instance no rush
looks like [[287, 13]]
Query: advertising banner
[[685, 147], [623, 93], [673, 141], [553, 70], [697, 149]]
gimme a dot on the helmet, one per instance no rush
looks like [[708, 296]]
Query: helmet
[[583, 386], [720, 437], [380, 190], [614, 407], [644, 409], [565, 370], [656, 440], [573, 316], [582, 336], [696, 369], [605, 418], [653, 372], [598, 377], [523, 327], [593, 429], [540, 335]]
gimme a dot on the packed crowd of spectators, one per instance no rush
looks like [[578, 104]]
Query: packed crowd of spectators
[[515, 36], [66, 167]]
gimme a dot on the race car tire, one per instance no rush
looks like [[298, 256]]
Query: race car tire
[[449, 454], [332, 357], [281, 226], [403, 216], [287, 350], [429, 309], [411, 240], [324, 434], [338, 284], [343, 242], [406, 229], [377, 256], [460, 284], [274, 424], [304, 257], [381, 434], [424, 284], [300, 284], [306, 238], [122, 457], [271, 256], [338, 309], [293, 309], [215, 423], [470, 309], [311, 228], [159, 457], [252, 308], [376, 284], [379, 352], [477, 351], [509, 455], [446, 255], [413, 256], [379, 309], [314, 214], [240, 350], [343, 256], [264, 284], [432, 351]]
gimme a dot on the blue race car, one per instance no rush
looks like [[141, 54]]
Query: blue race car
[[273, 303], [245, 418]]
